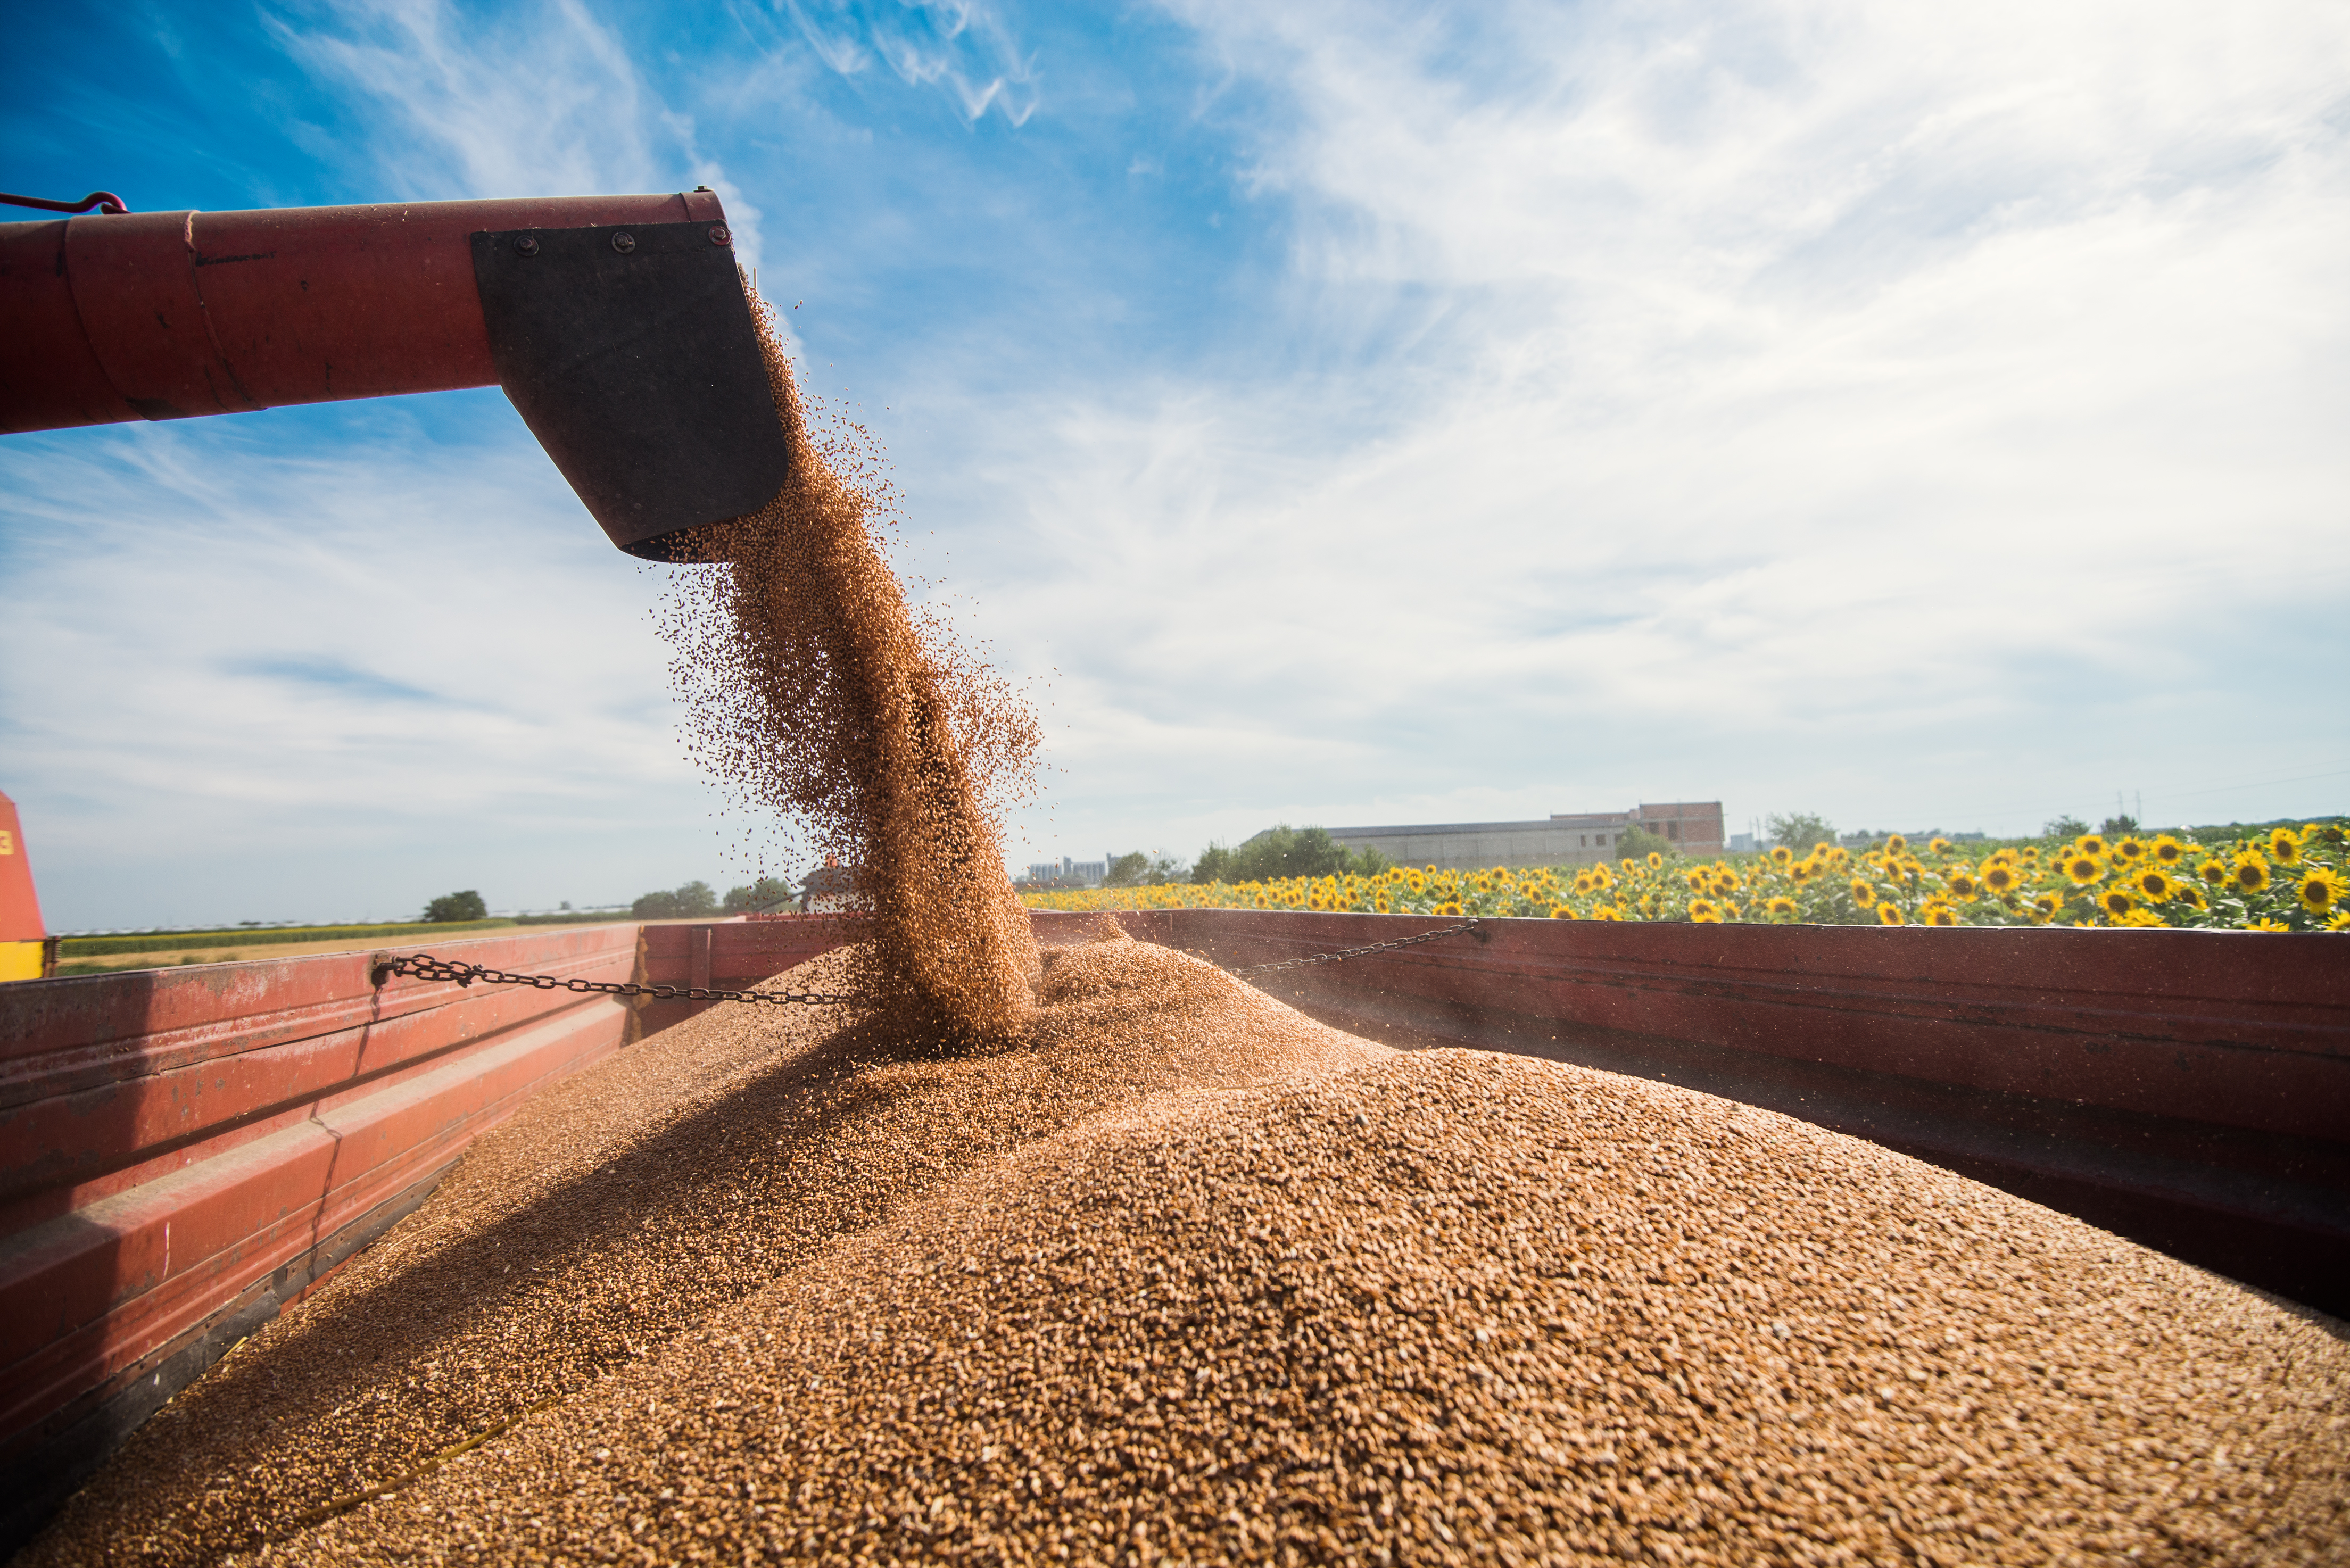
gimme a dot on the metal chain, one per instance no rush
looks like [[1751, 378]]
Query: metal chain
[[424, 966], [1359, 952]]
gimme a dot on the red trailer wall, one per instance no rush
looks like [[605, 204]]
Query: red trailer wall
[[184, 1150]]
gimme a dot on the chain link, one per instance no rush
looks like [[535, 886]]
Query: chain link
[[424, 966], [1359, 952]]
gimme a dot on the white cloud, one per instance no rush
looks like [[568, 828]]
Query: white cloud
[[1813, 405], [544, 101], [963, 50], [361, 678]]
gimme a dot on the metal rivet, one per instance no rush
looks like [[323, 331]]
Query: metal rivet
[[624, 242], [528, 245], [720, 235]]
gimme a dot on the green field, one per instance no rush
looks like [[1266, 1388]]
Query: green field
[[251, 937]]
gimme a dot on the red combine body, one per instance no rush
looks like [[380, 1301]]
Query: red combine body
[[25, 950], [619, 325]]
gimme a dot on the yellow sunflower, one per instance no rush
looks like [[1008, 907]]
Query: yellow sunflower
[[1704, 912], [1802, 871], [2091, 843], [1782, 855], [2339, 920], [1938, 913], [1561, 912], [2214, 871], [2154, 883], [2140, 917], [1656, 860], [2266, 926], [1601, 877], [2032, 854], [1890, 915], [2117, 899], [1607, 912], [2322, 889], [1863, 893], [2284, 847], [1696, 880], [1963, 885], [2128, 849], [1782, 907], [1938, 847], [2000, 878], [2249, 873], [2191, 895], [1895, 842], [2168, 850], [2082, 868], [2045, 907]]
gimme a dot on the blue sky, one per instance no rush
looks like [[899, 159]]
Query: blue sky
[[1340, 414]]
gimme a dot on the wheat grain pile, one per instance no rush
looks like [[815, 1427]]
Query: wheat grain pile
[[1101, 1256]]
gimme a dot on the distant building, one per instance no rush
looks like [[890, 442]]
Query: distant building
[[1565, 838], [1067, 873]]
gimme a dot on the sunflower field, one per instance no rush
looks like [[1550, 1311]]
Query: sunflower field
[[2281, 880]]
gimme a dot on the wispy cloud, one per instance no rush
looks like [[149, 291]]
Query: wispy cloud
[[271, 677], [962, 49], [1795, 403], [544, 98]]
